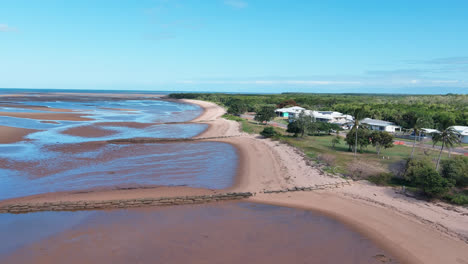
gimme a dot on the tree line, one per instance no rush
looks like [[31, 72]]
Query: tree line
[[439, 110]]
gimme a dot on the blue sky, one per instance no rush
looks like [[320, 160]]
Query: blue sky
[[236, 45]]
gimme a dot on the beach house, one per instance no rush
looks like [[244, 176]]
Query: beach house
[[332, 117], [463, 131], [380, 125], [289, 111]]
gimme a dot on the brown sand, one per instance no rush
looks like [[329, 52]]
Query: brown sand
[[89, 131], [49, 122], [125, 124], [413, 231], [227, 233], [13, 134], [407, 238], [103, 194], [47, 116], [34, 107]]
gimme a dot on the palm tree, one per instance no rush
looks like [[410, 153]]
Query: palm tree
[[417, 124], [358, 114], [449, 137]]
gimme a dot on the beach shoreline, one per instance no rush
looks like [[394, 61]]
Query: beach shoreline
[[412, 231]]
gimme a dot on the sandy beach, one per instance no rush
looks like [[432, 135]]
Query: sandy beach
[[414, 231]]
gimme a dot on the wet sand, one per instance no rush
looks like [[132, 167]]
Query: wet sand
[[47, 116], [98, 165], [33, 107], [405, 227], [90, 131], [408, 228], [13, 134], [125, 124], [214, 233]]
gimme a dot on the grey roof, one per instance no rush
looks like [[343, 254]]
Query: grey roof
[[375, 122]]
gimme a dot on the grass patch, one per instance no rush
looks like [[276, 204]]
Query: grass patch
[[281, 120], [233, 118], [367, 165], [459, 198]]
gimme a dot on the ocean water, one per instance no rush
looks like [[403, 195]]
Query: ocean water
[[74, 155], [229, 232]]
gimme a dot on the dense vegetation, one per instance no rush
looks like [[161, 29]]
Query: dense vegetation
[[439, 110], [427, 171]]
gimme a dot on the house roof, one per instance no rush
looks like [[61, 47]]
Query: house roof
[[463, 130], [375, 122], [293, 109], [331, 115], [430, 130]]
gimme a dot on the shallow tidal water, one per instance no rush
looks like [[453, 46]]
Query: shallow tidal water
[[230, 232], [74, 155]]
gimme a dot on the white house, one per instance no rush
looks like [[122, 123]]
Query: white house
[[332, 117], [463, 131], [289, 111], [380, 125], [326, 116]]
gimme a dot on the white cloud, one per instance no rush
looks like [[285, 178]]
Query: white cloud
[[239, 4], [6, 28], [273, 82]]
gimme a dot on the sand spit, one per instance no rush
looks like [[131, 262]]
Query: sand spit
[[104, 194], [13, 134], [413, 231]]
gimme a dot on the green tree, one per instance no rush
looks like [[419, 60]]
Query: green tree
[[237, 107], [287, 103], [268, 132], [302, 124], [361, 138], [336, 140], [358, 114], [265, 114], [293, 127], [456, 169], [381, 140], [421, 172], [449, 137], [416, 123]]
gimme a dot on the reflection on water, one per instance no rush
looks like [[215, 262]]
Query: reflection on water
[[76, 167], [73, 155], [214, 233]]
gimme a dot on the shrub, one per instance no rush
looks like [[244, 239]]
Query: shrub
[[363, 169], [327, 159], [456, 169], [383, 178], [458, 198], [417, 167], [423, 174], [269, 132]]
